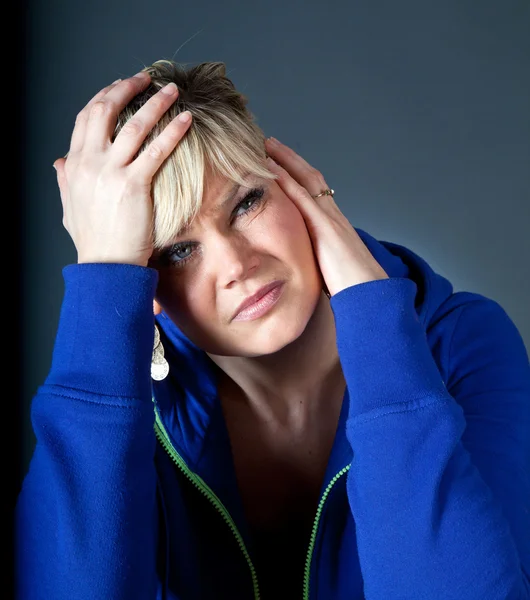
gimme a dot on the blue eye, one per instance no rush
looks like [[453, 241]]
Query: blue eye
[[180, 248], [181, 253], [254, 197]]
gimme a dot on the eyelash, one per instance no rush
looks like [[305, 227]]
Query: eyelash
[[255, 194]]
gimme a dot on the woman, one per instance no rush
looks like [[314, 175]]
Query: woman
[[250, 398]]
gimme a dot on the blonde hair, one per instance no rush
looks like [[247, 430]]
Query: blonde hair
[[223, 139]]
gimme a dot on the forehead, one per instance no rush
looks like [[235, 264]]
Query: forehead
[[218, 196], [218, 189]]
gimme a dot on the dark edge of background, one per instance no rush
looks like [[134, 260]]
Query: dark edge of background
[[14, 257]]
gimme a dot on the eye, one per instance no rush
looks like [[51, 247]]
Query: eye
[[176, 255], [179, 254], [182, 251], [250, 202]]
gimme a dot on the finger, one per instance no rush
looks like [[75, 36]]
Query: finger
[[300, 169], [150, 160], [103, 113], [132, 135], [78, 134]]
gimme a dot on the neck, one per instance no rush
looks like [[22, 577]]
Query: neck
[[294, 381]]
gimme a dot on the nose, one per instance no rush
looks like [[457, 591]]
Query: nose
[[234, 258]]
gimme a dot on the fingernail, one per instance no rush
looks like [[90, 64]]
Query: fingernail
[[54, 166], [184, 116], [117, 81], [271, 163], [142, 75], [169, 89], [273, 141]]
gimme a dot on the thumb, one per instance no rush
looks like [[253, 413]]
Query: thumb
[[58, 165]]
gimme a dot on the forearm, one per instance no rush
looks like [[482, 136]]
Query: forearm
[[86, 515], [427, 523]]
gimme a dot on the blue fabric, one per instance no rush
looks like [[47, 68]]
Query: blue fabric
[[428, 478]]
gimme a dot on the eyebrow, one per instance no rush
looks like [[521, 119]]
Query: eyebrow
[[228, 198]]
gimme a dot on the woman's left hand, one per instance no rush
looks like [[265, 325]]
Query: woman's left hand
[[343, 257]]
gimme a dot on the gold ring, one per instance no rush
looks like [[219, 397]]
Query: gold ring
[[328, 192]]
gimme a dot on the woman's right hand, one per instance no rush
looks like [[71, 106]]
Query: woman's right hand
[[105, 191]]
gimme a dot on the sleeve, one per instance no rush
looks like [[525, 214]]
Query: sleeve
[[86, 514], [439, 485]]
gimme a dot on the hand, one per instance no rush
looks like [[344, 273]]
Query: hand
[[106, 195], [343, 258]]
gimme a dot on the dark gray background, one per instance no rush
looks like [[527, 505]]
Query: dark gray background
[[416, 112]]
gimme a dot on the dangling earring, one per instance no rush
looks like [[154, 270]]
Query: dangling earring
[[159, 365]]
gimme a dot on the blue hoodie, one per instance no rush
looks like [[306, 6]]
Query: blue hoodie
[[131, 491]]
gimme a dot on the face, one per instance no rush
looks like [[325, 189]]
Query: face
[[231, 251]]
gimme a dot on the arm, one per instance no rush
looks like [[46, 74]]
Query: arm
[[440, 480], [86, 515], [86, 520]]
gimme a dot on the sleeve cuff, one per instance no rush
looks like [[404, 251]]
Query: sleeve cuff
[[105, 335], [383, 346]]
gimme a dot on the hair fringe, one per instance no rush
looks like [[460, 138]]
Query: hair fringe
[[223, 139]]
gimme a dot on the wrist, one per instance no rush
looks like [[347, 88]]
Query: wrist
[[139, 261]]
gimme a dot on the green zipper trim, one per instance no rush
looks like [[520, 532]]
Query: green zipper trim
[[198, 482], [314, 531]]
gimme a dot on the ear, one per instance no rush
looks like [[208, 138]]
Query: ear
[[157, 309]]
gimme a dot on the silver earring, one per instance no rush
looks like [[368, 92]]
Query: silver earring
[[159, 365]]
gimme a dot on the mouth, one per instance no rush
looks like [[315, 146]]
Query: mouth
[[259, 303]]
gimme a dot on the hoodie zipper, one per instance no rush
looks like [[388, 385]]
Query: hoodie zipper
[[314, 531], [199, 483]]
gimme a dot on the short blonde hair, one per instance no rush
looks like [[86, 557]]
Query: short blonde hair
[[223, 139]]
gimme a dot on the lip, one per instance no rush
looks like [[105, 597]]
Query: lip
[[254, 299]]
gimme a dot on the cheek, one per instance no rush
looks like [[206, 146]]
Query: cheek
[[285, 228], [293, 222], [289, 229], [190, 308], [182, 297]]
